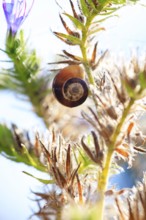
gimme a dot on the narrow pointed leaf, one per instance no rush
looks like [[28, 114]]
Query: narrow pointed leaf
[[87, 150], [61, 178], [92, 5], [122, 152], [142, 80], [69, 31], [39, 179], [74, 173], [93, 57], [104, 19], [80, 191], [68, 163], [96, 143], [75, 21], [77, 58], [73, 9], [100, 60], [96, 30], [71, 39], [84, 8]]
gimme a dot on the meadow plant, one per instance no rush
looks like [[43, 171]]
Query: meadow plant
[[80, 156]]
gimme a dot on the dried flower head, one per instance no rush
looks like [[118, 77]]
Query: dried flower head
[[61, 167], [131, 204]]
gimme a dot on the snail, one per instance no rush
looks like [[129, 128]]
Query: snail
[[69, 86]]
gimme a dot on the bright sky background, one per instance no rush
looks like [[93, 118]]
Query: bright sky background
[[123, 33]]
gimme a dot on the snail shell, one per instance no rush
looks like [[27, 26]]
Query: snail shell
[[69, 86]]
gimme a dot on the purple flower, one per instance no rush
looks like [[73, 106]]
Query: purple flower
[[16, 12]]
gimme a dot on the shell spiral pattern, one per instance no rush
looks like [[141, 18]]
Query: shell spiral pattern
[[69, 86]]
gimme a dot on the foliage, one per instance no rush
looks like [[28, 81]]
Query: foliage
[[79, 170], [16, 146]]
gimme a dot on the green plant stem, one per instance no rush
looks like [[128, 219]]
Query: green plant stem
[[22, 72], [103, 178], [102, 184], [83, 48]]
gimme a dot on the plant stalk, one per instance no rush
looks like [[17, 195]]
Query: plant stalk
[[104, 175], [83, 48]]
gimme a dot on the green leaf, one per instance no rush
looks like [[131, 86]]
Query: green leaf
[[130, 90], [24, 77], [73, 40], [75, 21], [86, 163], [96, 30], [84, 8], [117, 2], [17, 152], [39, 179], [6, 141], [142, 80], [26, 63], [92, 5], [104, 19]]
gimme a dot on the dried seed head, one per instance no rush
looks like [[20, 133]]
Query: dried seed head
[[133, 75], [134, 203], [62, 167]]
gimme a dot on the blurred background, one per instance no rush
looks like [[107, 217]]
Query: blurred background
[[123, 34]]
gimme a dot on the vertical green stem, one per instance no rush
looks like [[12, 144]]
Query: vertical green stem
[[102, 184], [83, 48], [103, 178]]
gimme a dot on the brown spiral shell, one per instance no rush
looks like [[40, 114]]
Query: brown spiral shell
[[69, 86]]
